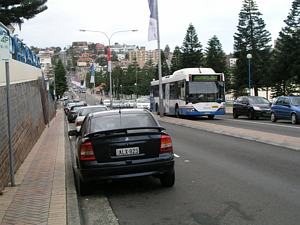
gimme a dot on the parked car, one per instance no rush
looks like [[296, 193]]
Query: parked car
[[72, 113], [131, 104], [83, 111], [251, 106], [106, 102], [121, 144], [143, 103], [286, 108]]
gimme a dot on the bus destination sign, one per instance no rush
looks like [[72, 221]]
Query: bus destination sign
[[205, 78]]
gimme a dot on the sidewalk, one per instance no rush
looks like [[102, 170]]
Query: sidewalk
[[40, 193]]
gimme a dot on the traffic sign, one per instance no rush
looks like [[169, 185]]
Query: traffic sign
[[4, 47]]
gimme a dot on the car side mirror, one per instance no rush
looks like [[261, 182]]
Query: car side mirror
[[73, 133]]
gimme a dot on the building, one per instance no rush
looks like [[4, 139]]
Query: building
[[142, 56], [46, 63]]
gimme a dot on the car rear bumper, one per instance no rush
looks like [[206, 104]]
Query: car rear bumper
[[125, 171]]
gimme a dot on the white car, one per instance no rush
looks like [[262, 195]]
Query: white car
[[143, 103], [83, 111], [106, 102]]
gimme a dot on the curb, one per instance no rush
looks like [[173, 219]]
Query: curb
[[73, 212]]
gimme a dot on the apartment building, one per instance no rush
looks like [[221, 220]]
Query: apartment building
[[142, 56]]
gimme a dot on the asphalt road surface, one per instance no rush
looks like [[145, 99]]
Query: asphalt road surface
[[220, 180]]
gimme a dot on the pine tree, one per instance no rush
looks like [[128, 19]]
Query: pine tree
[[60, 78], [176, 62], [253, 38], [191, 49], [286, 56], [215, 57], [15, 11]]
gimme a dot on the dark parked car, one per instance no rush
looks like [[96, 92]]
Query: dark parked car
[[251, 106], [121, 144], [286, 108]]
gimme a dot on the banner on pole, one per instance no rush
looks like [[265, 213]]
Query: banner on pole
[[92, 70], [152, 30]]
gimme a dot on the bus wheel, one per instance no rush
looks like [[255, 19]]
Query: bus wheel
[[211, 117], [177, 113]]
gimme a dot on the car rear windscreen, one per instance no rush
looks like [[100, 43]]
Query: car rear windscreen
[[86, 111], [119, 121]]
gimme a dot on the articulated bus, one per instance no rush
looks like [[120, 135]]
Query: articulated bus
[[191, 92]]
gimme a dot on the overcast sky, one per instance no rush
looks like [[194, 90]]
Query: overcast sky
[[59, 25]]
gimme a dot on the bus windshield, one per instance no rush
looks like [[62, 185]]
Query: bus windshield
[[206, 92]]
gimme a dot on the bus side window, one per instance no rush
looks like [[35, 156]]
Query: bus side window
[[182, 90]]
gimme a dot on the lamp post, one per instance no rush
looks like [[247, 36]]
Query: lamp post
[[249, 57], [108, 54], [135, 84], [121, 91]]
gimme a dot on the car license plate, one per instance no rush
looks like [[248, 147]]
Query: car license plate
[[127, 151], [215, 107]]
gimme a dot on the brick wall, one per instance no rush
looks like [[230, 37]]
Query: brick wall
[[29, 114]]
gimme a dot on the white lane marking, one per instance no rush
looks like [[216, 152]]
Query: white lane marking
[[186, 161], [177, 156], [269, 124]]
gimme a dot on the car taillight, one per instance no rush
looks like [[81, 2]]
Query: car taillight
[[78, 123], [87, 151], [166, 144]]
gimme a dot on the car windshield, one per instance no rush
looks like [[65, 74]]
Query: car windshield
[[258, 100], [119, 121], [84, 112], [295, 101]]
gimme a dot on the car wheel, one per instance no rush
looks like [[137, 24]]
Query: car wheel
[[273, 118], [211, 117], [82, 188], [235, 115], [177, 114], [251, 114], [294, 118], [168, 179]]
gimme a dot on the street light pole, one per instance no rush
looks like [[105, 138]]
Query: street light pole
[[108, 55], [249, 57]]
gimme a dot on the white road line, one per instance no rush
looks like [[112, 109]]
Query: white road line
[[177, 156], [269, 124]]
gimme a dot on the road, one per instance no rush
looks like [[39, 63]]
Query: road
[[219, 180]]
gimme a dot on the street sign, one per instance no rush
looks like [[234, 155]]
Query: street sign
[[4, 47]]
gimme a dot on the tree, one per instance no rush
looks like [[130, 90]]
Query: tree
[[215, 57], [286, 55], [60, 78], [167, 52], [176, 62], [164, 66], [253, 38], [191, 49], [15, 11]]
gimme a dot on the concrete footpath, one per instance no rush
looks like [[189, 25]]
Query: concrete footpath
[[39, 196]]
